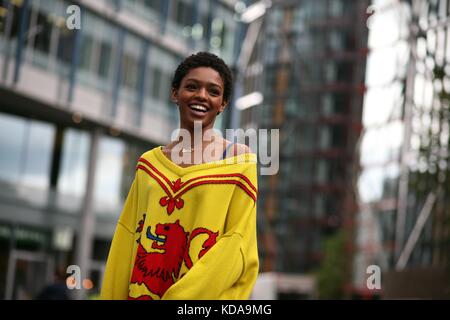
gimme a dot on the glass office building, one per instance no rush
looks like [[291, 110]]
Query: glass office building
[[309, 64], [403, 186], [77, 108]]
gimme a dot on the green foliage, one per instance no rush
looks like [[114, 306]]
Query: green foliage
[[332, 274]]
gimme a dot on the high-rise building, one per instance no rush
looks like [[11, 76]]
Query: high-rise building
[[84, 90], [308, 62], [403, 186]]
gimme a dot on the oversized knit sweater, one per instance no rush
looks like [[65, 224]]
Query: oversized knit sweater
[[186, 232]]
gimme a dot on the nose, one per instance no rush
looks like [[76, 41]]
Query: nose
[[201, 94]]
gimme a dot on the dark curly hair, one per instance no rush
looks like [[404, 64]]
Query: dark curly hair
[[205, 59]]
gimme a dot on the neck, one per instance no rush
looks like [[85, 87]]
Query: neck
[[199, 137]]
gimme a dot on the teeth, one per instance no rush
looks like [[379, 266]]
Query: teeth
[[198, 107]]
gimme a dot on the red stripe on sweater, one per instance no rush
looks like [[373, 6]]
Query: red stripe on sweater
[[229, 175], [156, 178], [239, 184]]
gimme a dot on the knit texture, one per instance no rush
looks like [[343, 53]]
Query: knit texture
[[186, 233]]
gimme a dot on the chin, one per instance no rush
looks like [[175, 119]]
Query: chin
[[205, 121]]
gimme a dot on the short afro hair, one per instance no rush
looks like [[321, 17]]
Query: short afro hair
[[205, 59]]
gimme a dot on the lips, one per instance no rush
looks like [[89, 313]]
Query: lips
[[198, 108]]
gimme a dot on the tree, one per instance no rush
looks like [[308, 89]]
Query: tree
[[331, 275]]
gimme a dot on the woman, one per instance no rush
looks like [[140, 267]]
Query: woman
[[188, 228]]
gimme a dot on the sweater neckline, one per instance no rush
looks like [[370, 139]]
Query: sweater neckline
[[238, 159]]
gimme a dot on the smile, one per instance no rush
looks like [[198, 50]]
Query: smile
[[199, 108]]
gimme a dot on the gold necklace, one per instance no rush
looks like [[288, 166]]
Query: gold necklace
[[188, 150]]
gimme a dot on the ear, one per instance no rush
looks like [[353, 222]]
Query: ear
[[174, 95], [223, 106]]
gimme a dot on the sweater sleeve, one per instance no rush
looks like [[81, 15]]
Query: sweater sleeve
[[118, 265], [229, 269]]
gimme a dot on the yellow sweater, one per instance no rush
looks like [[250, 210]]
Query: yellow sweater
[[186, 233]]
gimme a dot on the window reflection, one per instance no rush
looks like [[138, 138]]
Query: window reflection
[[96, 51], [74, 164], [26, 151], [147, 9], [390, 25], [12, 135], [158, 85], [108, 176], [132, 56], [383, 104], [47, 38], [382, 145], [377, 183]]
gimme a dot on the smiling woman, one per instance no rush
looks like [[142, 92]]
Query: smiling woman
[[188, 225], [200, 97]]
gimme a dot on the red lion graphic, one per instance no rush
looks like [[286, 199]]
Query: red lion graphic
[[207, 244], [158, 270]]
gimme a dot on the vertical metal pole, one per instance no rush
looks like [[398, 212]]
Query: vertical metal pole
[[86, 229], [118, 75], [164, 15], [74, 65], [195, 20], [6, 36], [21, 39], [142, 84], [212, 9], [402, 204]]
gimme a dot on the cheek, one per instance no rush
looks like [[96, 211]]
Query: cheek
[[218, 101]]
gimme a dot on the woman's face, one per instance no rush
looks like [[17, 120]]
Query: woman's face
[[200, 97]]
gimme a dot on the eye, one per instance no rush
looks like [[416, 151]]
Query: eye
[[215, 93], [190, 86], [166, 228]]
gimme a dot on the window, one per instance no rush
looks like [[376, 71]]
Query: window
[[133, 50], [74, 163], [104, 69], [85, 59], [108, 176], [43, 33], [97, 52], [341, 102], [65, 45], [129, 72], [345, 71], [147, 9], [338, 136], [182, 12], [26, 151], [155, 5], [155, 82], [336, 8], [9, 16]]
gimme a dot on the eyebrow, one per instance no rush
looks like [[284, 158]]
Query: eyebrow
[[209, 83]]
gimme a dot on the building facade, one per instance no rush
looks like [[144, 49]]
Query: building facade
[[84, 90], [403, 186], [308, 62]]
